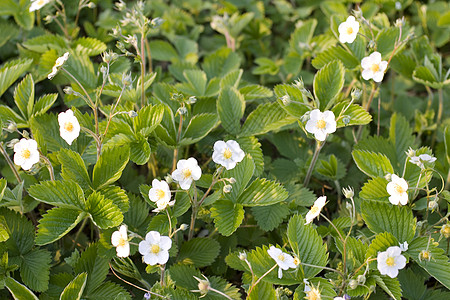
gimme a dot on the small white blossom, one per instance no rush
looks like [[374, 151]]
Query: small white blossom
[[69, 128], [397, 188], [155, 248], [348, 30], [345, 297], [422, 159], [321, 123], [119, 239], [26, 153], [160, 194], [315, 209], [186, 172], [38, 4], [283, 260], [390, 261], [58, 63], [312, 292], [373, 67], [227, 154], [404, 246]]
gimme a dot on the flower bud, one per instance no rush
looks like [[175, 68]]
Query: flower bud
[[398, 5], [285, 99], [425, 255], [232, 180], [353, 284], [183, 227], [168, 178], [348, 192], [182, 110], [120, 5], [356, 94], [432, 205], [91, 5], [191, 100], [346, 120], [299, 83], [227, 188], [11, 143], [410, 153], [132, 114], [242, 255], [445, 230], [361, 279], [156, 22], [126, 79], [400, 22], [388, 176], [12, 126]]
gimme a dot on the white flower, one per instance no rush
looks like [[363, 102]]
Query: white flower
[[390, 261], [422, 159], [348, 30], [155, 248], [160, 193], [312, 293], [315, 209], [345, 297], [119, 239], [58, 63], [404, 246], [227, 154], [38, 4], [187, 171], [373, 67], [397, 188], [26, 153], [320, 124], [283, 260], [69, 128]]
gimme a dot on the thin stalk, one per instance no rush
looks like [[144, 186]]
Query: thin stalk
[[83, 224], [193, 217], [439, 114], [111, 113], [325, 268], [149, 56], [219, 292], [10, 163], [175, 151], [319, 146], [259, 279], [49, 166], [142, 67], [161, 280]]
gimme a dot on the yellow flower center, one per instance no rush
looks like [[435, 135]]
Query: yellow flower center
[[26, 153], [390, 261], [446, 231], [155, 249], [399, 189], [349, 30], [425, 254], [187, 173], [296, 261], [281, 257], [321, 124], [160, 194], [375, 68], [122, 242], [41, 2], [227, 153], [314, 209], [68, 126], [313, 294]]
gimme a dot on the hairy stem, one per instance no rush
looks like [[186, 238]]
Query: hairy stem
[[319, 146], [10, 163]]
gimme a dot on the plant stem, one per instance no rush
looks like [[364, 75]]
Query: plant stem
[[193, 217], [175, 151], [220, 293], [142, 67], [79, 232], [149, 56], [49, 166], [10, 163], [439, 114], [259, 279], [319, 146]]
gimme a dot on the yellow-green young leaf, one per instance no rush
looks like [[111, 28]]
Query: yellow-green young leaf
[[307, 245], [230, 108], [110, 165], [117, 195], [302, 35], [335, 53], [104, 213], [24, 96], [140, 150], [95, 265], [200, 252], [353, 115], [73, 168], [88, 46], [62, 193], [263, 291], [199, 126], [44, 103], [35, 269], [390, 285], [271, 216], [297, 103], [56, 223], [328, 83], [437, 266], [397, 220], [19, 291], [380, 243], [375, 189], [262, 192], [4, 235], [265, 118], [75, 288], [163, 51], [332, 168], [372, 164], [148, 118], [227, 216], [10, 71], [45, 42]]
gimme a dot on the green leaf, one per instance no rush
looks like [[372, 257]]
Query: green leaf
[[227, 216], [21, 232], [45, 42], [446, 143], [19, 291], [380, 243], [199, 252], [44, 103], [252, 147], [355, 114], [230, 108], [271, 216], [243, 172], [372, 164], [386, 39], [75, 288], [163, 51], [196, 80], [263, 291], [104, 213], [390, 285], [335, 53], [199, 126], [302, 35], [262, 192], [231, 79], [56, 223], [328, 83], [88, 46], [73, 168], [400, 135], [221, 62], [24, 17], [3, 183], [332, 168], [403, 64], [148, 118], [12, 70], [397, 220], [140, 150], [356, 251], [24, 96], [254, 91], [438, 265], [64, 193], [265, 118], [35, 269], [375, 189], [117, 195], [96, 267], [110, 290], [424, 76], [298, 103], [307, 245], [110, 165]]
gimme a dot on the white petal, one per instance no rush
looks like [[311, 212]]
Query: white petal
[[116, 237], [383, 65], [400, 262], [367, 74], [315, 115], [165, 243], [320, 135], [330, 127], [196, 172], [177, 175], [366, 62], [185, 184], [150, 259], [123, 251], [144, 247], [351, 19], [378, 76], [219, 145], [311, 126], [320, 202], [163, 257], [403, 198], [280, 273], [394, 199], [375, 57], [392, 272]]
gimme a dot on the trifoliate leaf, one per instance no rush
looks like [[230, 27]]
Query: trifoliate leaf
[[24, 96], [21, 232], [269, 217], [230, 108], [328, 83], [10, 71], [199, 252], [94, 265], [73, 168]]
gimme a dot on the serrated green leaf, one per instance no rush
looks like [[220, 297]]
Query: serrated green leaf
[[403, 64], [24, 17], [19, 291], [35, 269], [81, 67], [199, 126], [110, 290], [110, 165], [3, 183], [43, 43], [163, 51], [148, 118], [254, 91], [302, 35], [56, 223], [400, 135], [161, 224], [64, 193], [380, 243], [386, 39], [73, 168], [298, 103], [424, 76], [262, 192], [10, 71], [88, 46], [356, 251], [252, 147], [21, 232], [231, 79], [24, 96], [355, 114], [390, 285], [96, 267], [397, 220], [44, 103], [332, 168], [328, 83], [263, 291], [372, 164], [221, 62], [199, 252], [75, 288], [269, 217], [227, 216], [104, 213], [375, 189], [196, 80], [117, 195], [140, 150], [307, 245], [230, 108], [243, 172], [335, 53], [446, 143], [265, 118]]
